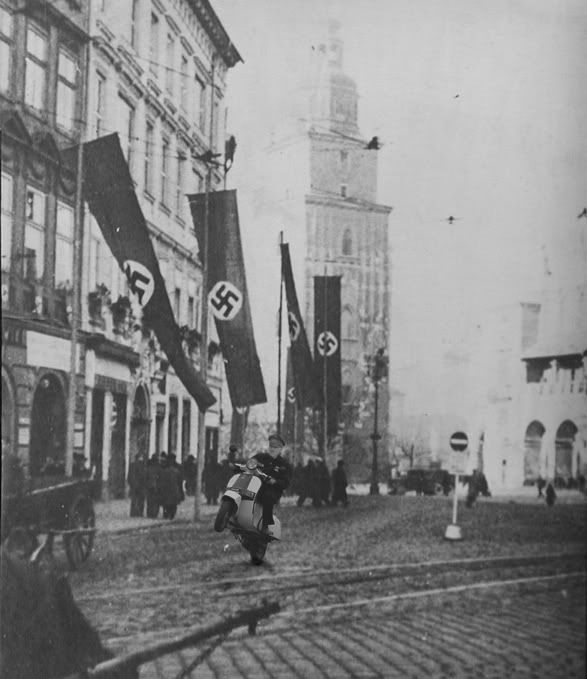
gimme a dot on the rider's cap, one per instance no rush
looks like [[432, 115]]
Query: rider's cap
[[276, 440]]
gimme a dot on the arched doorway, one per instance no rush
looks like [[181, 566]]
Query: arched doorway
[[48, 427], [140, 423], [8, 439], [563, 444], [532, 446]]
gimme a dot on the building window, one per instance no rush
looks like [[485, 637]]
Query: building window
[[343, 188], [164, 170], [5, 45], [191, 319], [66, 89], [184, 83], [347, 243], [7, 219], [150, 131], [127, 121], [35, 68], [34, 234], [170, 63], [64, 244], [186, 424], [180, 201], [172, 432], [200, 91], [177, 303], [154, 46], [198, 180], [133, 24], [100, 104]]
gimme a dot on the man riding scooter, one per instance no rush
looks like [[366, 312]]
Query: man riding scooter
[[278, 468]]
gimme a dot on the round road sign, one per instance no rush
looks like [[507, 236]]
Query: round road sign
[[459, 441]]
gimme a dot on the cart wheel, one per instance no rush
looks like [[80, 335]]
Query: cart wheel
[[21, 542], [78, 545]]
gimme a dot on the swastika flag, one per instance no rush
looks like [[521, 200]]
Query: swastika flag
[[109, 191], [327, 345], [228, 300], [303, 372]]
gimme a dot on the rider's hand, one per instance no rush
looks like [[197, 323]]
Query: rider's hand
[[271, 481]]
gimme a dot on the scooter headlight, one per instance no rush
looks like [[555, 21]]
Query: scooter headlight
[[251, 464]]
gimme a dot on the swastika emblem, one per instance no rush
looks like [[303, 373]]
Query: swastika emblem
[[294, 326], [225, 300], [291, 394], [327, 343], [140, 280]]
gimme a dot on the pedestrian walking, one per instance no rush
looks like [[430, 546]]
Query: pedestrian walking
[[540, 484], [550, 494], [309, 485], [169, 487], [174, 463], [152, 473], [190, 471], [323, 482], [473, 491], [339, 485], [137, 483]]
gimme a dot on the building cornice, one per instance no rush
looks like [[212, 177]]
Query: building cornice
[[216, 32], [347, 203]]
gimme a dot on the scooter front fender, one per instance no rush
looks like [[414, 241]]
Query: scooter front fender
[[234, 496]]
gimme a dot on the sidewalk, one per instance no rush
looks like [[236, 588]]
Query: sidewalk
[[113, 516]]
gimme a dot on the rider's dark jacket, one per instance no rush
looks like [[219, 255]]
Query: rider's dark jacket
[[277, 467]]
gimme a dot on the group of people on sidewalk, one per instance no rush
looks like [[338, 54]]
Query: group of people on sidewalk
[[314, 481], [160, 484]]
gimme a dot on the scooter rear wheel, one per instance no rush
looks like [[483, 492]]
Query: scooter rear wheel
[[225, 511]]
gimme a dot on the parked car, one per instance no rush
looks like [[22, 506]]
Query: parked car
[[424, 481]]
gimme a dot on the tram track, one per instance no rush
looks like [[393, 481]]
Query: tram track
[[297, 580]]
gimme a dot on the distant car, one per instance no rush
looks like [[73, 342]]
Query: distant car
[[423, 481]]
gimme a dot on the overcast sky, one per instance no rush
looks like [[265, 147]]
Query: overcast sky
[[482, 110]]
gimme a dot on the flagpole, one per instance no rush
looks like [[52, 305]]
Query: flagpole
[[279, 337], [204, 311], [325, 373], [76, 267]]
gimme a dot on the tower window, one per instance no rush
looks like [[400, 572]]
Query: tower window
[[343, 188], [347, 243]]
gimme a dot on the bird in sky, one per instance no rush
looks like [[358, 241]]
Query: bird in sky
[[583, 213], [451, 219]]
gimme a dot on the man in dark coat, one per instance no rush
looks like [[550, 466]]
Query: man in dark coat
[[153, 472], [190, 470], [137, 483], [169, 487], [278, 468], [323, 482], [339, 485]]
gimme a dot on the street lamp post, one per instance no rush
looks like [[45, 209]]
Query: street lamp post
[[379, 370]]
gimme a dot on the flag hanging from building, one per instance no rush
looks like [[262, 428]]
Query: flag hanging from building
[[327, 345], [238, 427], [227, 295], [293, 414], [109, 191], [304, 374]]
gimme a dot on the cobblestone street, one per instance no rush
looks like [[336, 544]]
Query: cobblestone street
[[144, 585], [518, 635]]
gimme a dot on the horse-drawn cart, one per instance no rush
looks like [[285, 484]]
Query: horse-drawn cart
[[65, 508]]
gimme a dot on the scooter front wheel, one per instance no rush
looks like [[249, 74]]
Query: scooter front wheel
[[225, 511]]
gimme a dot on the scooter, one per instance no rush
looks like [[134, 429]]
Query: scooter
[[242, 514]]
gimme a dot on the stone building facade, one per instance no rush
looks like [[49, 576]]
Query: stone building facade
[[156, 76], [42, 61]]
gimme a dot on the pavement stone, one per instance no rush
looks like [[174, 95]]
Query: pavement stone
[[526, 635]]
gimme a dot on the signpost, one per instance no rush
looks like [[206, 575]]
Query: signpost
[[457, 465]]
